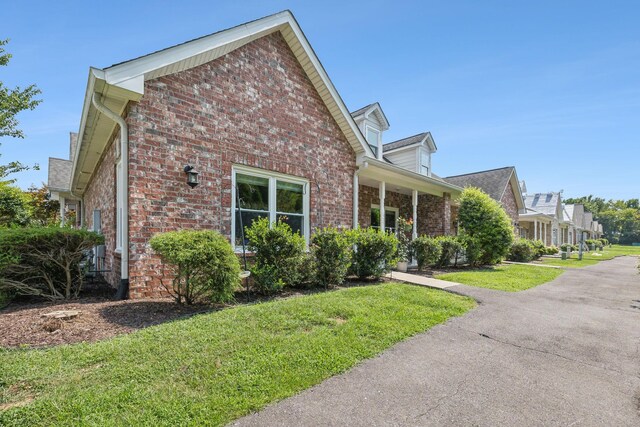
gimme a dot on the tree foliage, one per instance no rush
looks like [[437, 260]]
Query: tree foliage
[[620, 219], [484, 221], [12, 102]]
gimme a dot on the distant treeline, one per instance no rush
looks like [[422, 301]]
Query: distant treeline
[[620, 219]]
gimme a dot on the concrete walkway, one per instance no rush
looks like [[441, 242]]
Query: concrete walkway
[[420, 280], [564, 353]]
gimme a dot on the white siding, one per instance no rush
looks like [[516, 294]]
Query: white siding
[[406, 159]]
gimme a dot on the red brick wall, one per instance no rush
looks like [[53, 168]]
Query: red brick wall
[[100, 194], [368, 196], [508, 202], [434, 215], [254, 106]]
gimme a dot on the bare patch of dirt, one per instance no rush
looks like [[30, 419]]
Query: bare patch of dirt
[[24, 324]]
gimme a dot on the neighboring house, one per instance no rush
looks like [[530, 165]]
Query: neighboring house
[[253, 112], [502, 185], [542, 218]]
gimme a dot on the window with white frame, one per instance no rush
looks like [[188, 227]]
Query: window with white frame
[[390, 218], [119, 203], [373, 137], [268, 195], [424, 163]]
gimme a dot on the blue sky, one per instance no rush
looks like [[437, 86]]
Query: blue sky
[[551, 87]]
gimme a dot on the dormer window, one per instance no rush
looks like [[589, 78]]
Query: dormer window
[[424, 163], [373, 138]]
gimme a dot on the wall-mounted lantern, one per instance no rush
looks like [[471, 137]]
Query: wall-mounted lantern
[[192, 176]]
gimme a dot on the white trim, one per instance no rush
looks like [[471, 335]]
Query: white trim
[[386, 208], [273, 177]]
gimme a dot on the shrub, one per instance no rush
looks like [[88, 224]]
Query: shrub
[[5, 298], [427, 250], [539, 248], [451, 248], [470, 247], [522, 250], [484, 221], [14, 206], [331, 251], [565, 247], [204, 265], [49, 262], [375, 252], [551, 250], [279, 255], [604, 242]]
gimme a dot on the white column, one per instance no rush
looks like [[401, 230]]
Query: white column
[[381, 191], [545, 233], [535, 229], [414, 200], [356, 201], [62, 203]]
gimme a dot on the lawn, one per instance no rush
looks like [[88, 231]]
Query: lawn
[[510, 278], [213, 368], [588, 257]]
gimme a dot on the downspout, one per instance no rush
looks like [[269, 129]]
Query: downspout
[[356, 185], [123, 289]]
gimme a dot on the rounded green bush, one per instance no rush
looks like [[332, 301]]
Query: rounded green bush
[[331, 251], [427, 250], [279, 255], [487, 224], [204, 265], [522, 250], [375, 252]]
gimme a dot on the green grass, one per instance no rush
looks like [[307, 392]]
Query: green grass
[[213, 368], [510, 278], [589, 259]]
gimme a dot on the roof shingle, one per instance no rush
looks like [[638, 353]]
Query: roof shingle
[[493, 182]]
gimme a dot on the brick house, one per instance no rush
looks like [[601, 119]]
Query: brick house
[[502, 185], [253, 112]]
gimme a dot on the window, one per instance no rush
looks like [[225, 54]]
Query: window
[[272, 196], [390, 218], [424, 163], [119, 204], [373, 136]]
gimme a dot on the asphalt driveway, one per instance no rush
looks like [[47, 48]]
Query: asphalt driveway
[[564, 353]]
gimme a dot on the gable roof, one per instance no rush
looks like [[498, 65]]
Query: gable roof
[[411, 140], [546, 203], [375, 109], [494, 182], [124, 82]]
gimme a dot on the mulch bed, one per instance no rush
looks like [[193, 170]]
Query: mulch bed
[[24, 324]]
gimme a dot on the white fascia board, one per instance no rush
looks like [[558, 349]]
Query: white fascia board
[[94, 75], [391, 167], [139, 67]]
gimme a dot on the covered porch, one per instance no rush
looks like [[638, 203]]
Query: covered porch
[[536, 226], [383, 193]]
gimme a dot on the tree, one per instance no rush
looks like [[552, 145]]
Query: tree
[[12, 102], [14, 207], [486, 225], [44, 211]]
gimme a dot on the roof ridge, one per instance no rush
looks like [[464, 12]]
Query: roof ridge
[[405, 138], [475, 173]]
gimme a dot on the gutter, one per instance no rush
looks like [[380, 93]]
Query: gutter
[[122, 192]]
